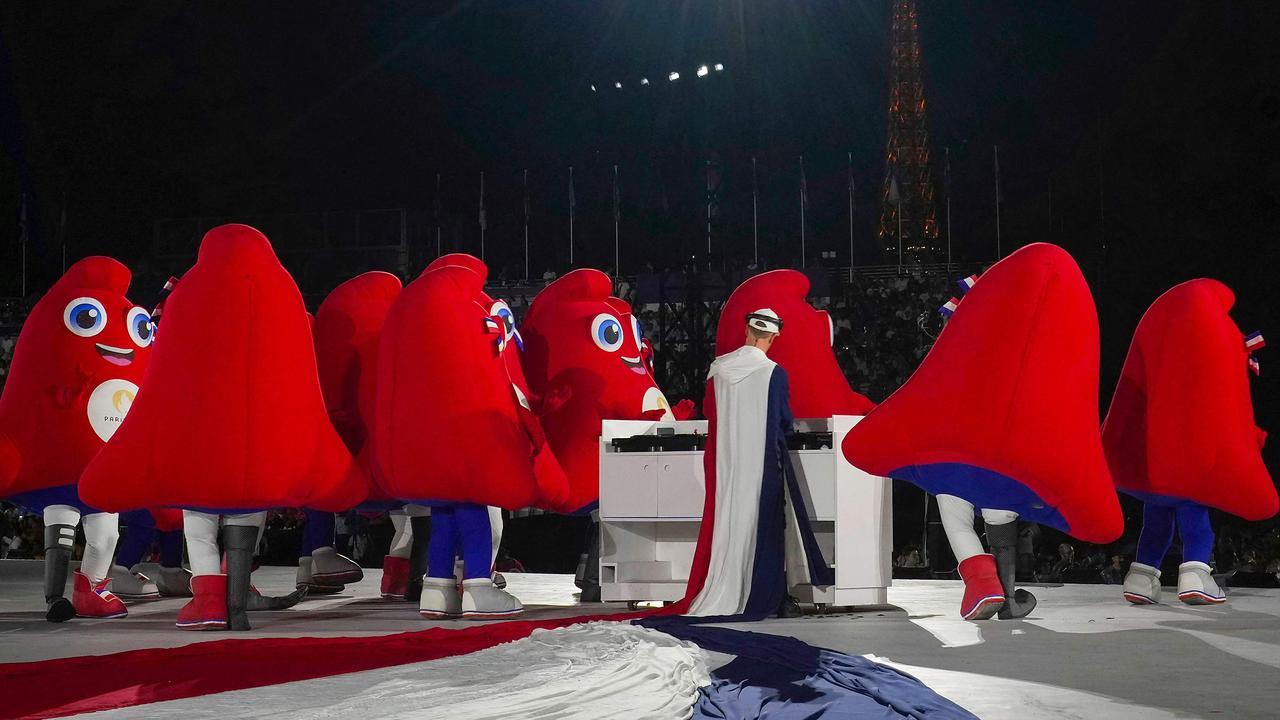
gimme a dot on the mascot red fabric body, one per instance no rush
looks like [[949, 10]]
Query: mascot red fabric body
[[1003, 410], [234, 419], [453, 422], [586, 361], [819, 388], [348, 327], [1181, 423], [76, 369]]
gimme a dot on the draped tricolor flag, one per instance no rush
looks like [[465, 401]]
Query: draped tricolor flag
[[949, 307]]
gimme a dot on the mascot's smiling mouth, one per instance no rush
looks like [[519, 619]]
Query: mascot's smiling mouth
[[114, 355], [636, 364]]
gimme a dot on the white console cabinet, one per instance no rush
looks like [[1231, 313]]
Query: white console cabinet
[[651, 509]]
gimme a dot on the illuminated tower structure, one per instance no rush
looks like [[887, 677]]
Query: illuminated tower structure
[[908, 217]]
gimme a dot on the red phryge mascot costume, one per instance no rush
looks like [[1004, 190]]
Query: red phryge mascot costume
[[76, 369], [1180, 435], [233, 424], [454, 430], [799, 377], [585, 358], [1002, 415], [347, 328]]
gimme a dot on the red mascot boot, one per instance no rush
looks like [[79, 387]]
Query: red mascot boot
[[983, 593], [395, 577], [207, 609], [94, 600]]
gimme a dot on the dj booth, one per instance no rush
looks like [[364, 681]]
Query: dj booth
[[652, 488]]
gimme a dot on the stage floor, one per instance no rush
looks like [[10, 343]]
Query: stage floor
[[1084, 652]]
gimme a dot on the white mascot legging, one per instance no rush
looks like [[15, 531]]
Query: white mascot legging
[[101, 531], [201, 531], [957, 520]]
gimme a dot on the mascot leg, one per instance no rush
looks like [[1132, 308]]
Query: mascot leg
[[59, 537], [1196, 585], [1142, 582], [1002, 537], [420, 539], [172, 580], [92, 596], [127, 580], [320, 568], [439, 594], [239, 538], [495, 531], [983, 593], [207, 609], [395, 566], [481, 600]]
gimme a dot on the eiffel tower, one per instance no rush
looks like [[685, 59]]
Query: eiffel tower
[[908, 218]]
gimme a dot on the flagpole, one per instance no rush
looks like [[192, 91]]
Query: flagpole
[[22, 222], [708, 178], [850, 165], [617, 262], [948, 172], [482, 218], [803, 202], [571, 206], [755, 217], [996, 153], [526, 224], [437, 209]]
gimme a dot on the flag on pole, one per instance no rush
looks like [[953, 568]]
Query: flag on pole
[[572, 201], [1255, 366], [526, 196], [853, 195], [804, 186], [617, 198], [1254, 341]]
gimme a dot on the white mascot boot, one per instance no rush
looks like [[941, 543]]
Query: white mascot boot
[[330, 568], [1142, 584], [1196, 585], [482, 601], [440, 599], [131, 585]]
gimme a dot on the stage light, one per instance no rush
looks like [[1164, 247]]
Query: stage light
[[719, 67], [644, 81], [673, 76], [618, 85], [593, 88], [702, 71]]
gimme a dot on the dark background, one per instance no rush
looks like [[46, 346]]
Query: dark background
[[1149, 128]]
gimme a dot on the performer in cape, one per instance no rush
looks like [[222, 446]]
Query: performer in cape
[[75, 372], [1180, 436], [751, 486]]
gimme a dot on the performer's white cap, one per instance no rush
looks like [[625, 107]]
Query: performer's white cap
[[765, 320]]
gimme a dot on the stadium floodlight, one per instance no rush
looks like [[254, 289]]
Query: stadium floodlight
[[644, 81], [719, 67], [673, 76], [618, 85], [702, 71]]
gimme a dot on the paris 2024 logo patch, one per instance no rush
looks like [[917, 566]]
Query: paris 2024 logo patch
[[108, 404]]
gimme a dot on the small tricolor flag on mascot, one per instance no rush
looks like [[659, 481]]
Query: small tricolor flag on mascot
[[1255, 366], [949, 307], [1255, 341], [966, 284]]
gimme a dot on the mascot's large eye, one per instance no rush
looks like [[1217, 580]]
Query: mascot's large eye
[[500, 310], [141, 330], [635, 329], [832, 327], [606, 331], [85, 317]]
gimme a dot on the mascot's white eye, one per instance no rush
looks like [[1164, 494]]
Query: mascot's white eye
[[500, 310], [635, 329], [141, 330], [606, 331], [832, 327], [85, 317]]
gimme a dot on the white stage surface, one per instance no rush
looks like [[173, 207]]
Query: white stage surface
[[1084, 652]]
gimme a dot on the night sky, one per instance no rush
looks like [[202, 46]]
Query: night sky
[[1151, 126]]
